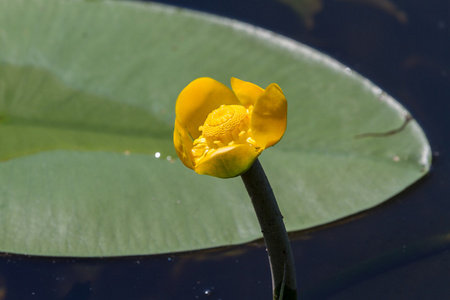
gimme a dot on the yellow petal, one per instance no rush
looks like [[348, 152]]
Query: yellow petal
[[198, 99], [246, 92], [228, 162], [269, 117], [183, 144]]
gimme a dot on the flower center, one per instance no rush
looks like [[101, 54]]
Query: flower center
[[223, 120], [224, 126]]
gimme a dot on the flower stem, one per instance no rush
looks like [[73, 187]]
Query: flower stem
[[278, 246]]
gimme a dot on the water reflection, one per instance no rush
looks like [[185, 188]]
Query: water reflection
[[221, 273], [198, 275]]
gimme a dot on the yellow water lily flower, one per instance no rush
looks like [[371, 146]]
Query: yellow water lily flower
[[220, 132]]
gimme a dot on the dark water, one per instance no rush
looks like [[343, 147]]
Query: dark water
[[399, 250]]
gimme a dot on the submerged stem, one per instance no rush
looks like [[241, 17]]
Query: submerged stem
[[275, 236]]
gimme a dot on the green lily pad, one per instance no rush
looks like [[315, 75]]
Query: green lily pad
[[87, 97]]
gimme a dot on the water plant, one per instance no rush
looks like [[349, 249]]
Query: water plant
[[221, 132]]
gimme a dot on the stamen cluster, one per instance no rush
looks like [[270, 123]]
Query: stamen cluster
[[225, 126]]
